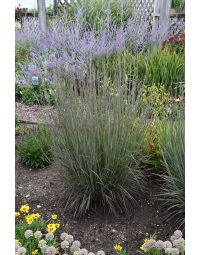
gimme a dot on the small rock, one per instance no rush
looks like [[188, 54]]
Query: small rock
[[28, 195], [39, 206]]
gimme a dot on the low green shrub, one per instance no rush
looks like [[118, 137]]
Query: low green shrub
[[42, 95], [35, 149], [172, 145]]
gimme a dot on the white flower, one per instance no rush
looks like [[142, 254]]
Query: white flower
[[51, 250], [91, 253], [21, 251], [28, 233], [159, 244], [74, 248], [76, 243], [83, 252], [167, 244], [150, 244], [43, 248], [38, 234], [64, 244], [172, 251], [180, 244], [49, 236], [42, 243], [76, 253], [63, 236], [100, 252], [69, 238], [178, 234]]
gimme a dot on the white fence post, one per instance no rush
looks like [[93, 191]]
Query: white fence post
[[42, 15], [165, 6], [161, 12]]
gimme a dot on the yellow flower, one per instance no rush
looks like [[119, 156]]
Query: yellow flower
[[118, 247], [24, 208], [142, 248], [54, 216], [57, 225], [29, 218], [16, 241], [36, 216], [34, 252], [17, 214], [51, 228], [146, 240]]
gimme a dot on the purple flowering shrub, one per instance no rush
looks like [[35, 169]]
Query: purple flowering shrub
[[66, 50]]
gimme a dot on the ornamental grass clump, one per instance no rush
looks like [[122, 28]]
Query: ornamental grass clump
[[172, 146], [97, 145]]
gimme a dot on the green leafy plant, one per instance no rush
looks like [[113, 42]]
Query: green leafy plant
[[35, 150], [179, 5], [41, 95]]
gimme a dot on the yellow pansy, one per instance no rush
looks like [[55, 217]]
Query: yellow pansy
[[54, 216], [17, 214], [24, 208], [34, 252], [118, 247], [29, 218], [51, 228]]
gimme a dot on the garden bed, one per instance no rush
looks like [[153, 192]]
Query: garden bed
[[42, 188]]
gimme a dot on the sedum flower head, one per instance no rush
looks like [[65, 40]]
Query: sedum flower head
[[69, 238], [178, 234], [28, 233], [172, 251], [42, 243], [83, 252], [64, 244], [63, 236], [167, 244], [179, 244], [51, 250], [100, 252], [49, 236], [38, 234], [149, 244], [159, 244], [76, 243], [21, 251], [74, 248]]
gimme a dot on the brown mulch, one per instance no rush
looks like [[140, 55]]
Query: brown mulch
[[35, 113]]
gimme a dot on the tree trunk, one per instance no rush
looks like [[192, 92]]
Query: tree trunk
[[42, 15]]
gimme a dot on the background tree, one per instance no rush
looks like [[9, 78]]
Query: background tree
[[42, 14]]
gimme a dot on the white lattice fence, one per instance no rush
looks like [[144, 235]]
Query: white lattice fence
[[154, 11], [145, 8]]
